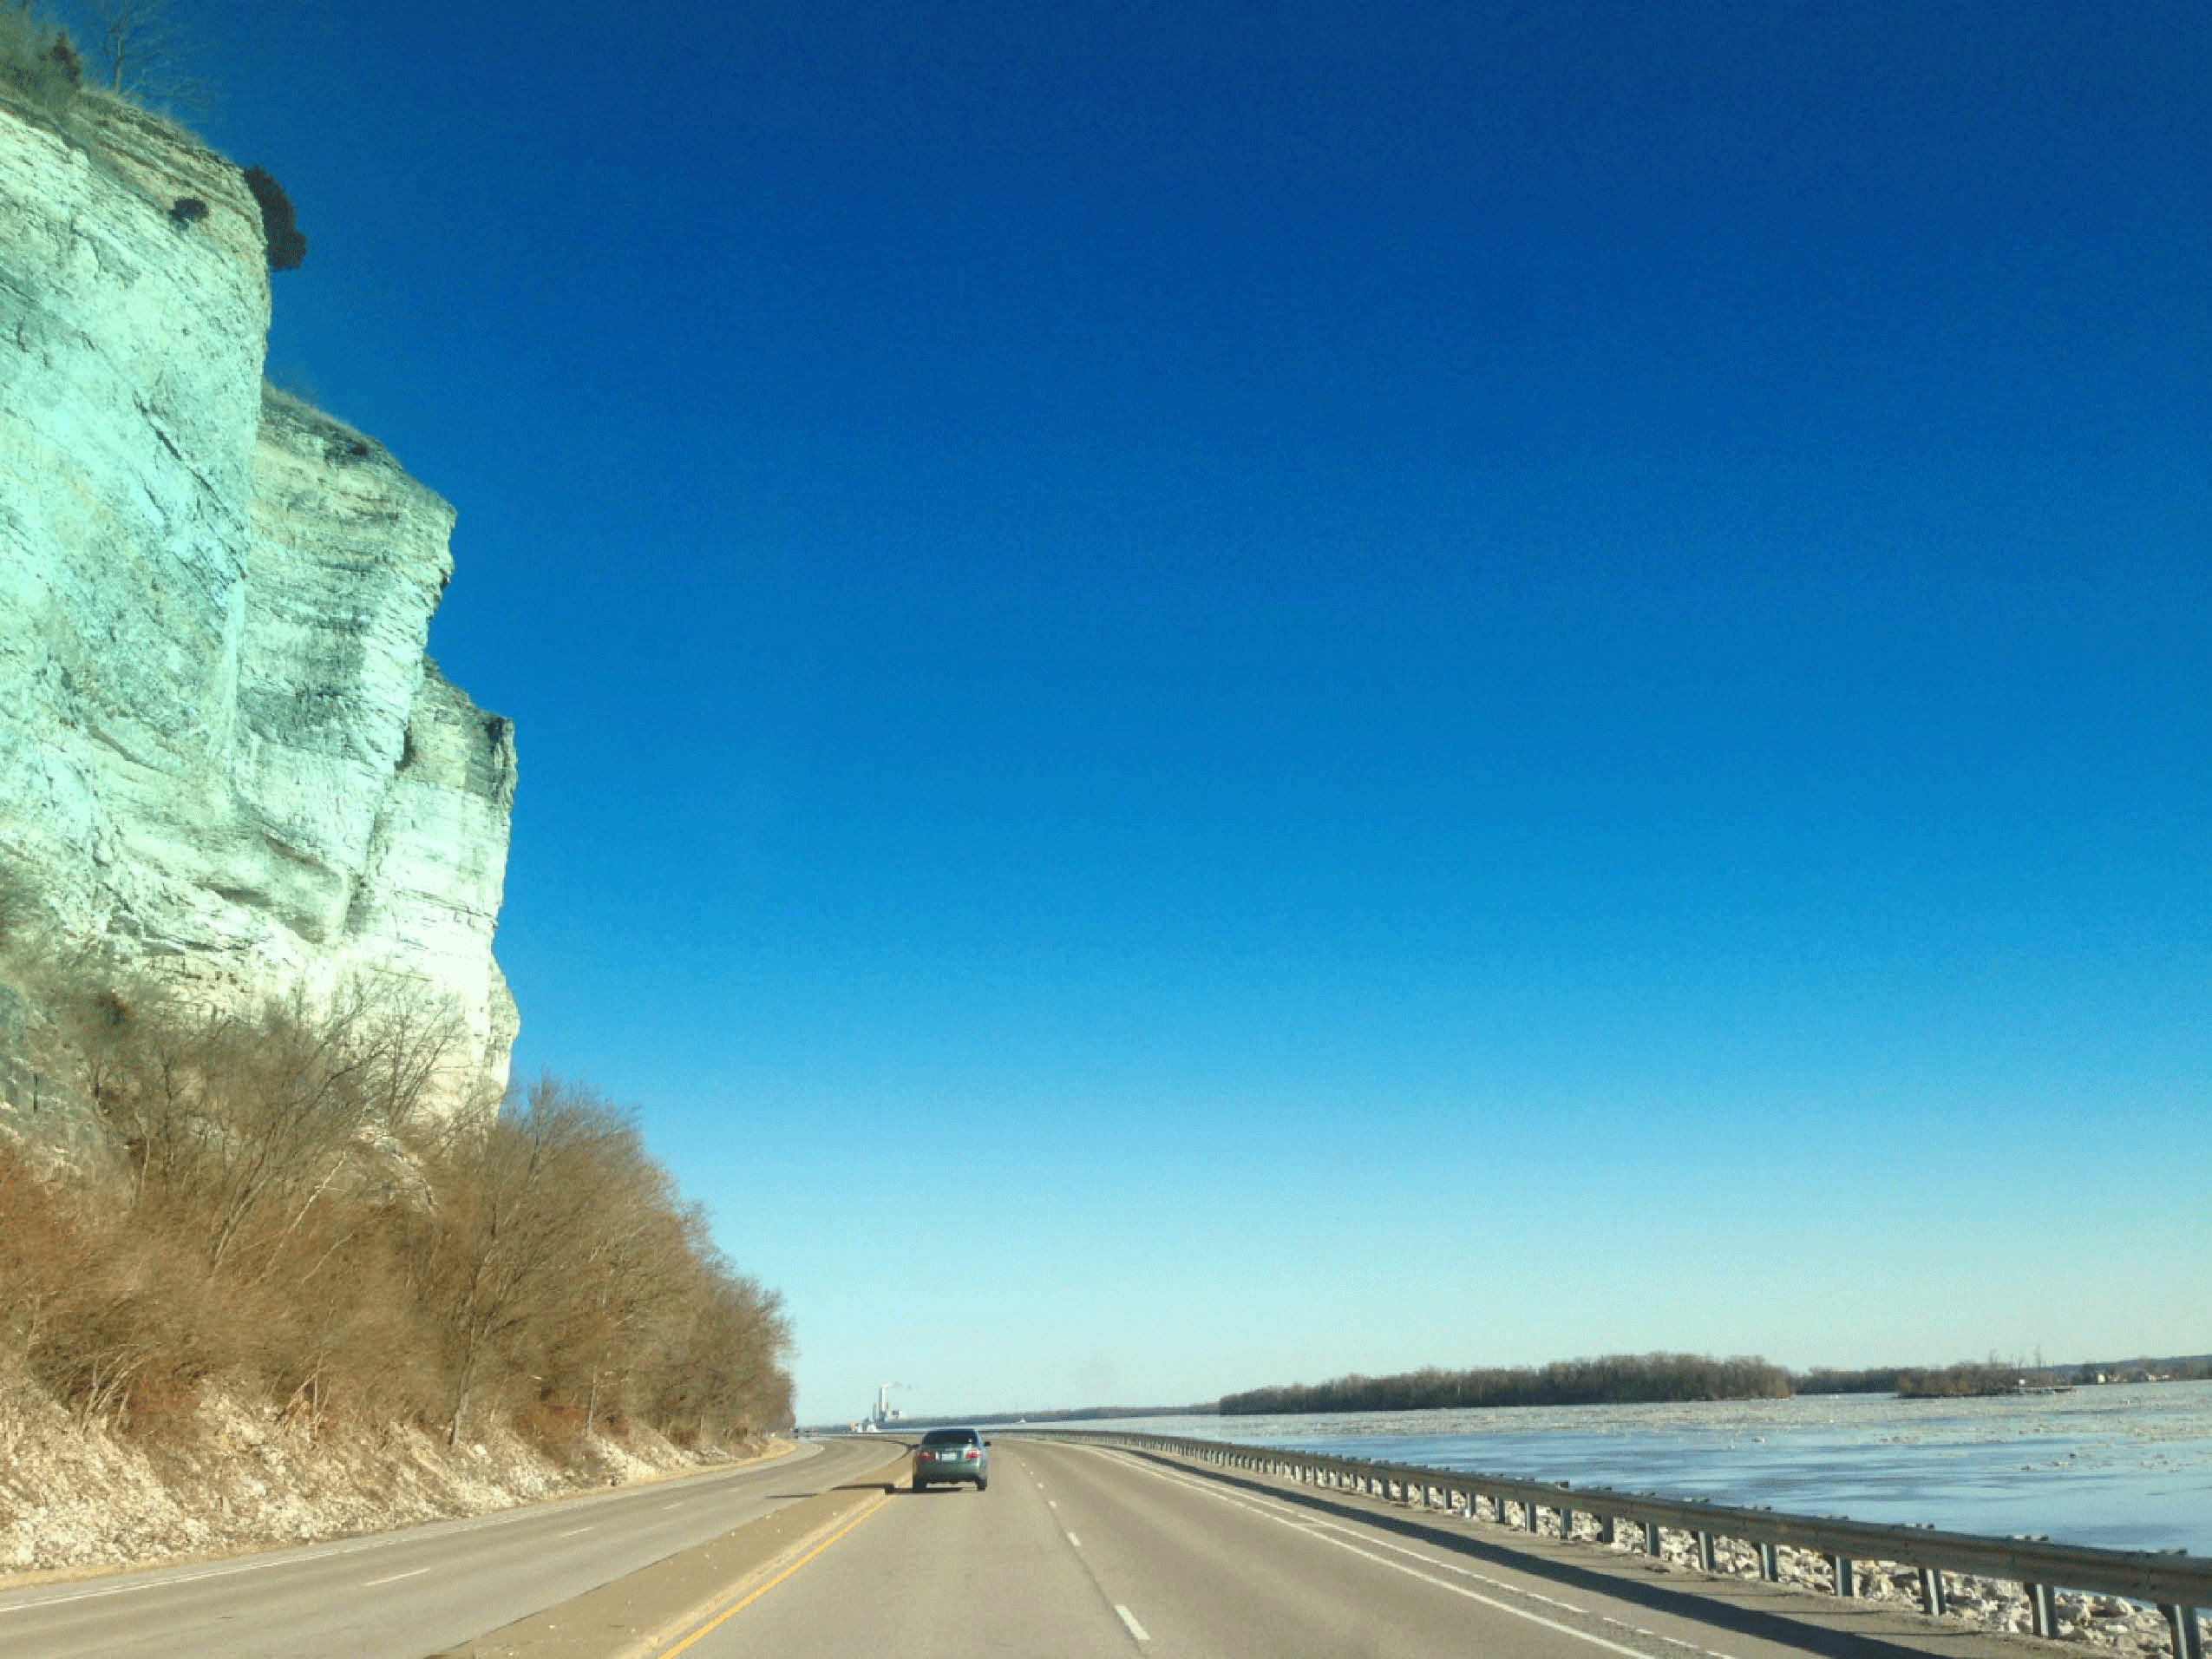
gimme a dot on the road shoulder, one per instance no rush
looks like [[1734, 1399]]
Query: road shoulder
[[1775, 1612]]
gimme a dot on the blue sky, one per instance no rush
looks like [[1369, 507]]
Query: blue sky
[[1255, 690]]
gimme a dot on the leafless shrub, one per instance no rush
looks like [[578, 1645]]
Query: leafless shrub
[[278, 1208], [148, 56], [40, 70]]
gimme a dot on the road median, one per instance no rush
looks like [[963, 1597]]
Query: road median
[[650, 1612]]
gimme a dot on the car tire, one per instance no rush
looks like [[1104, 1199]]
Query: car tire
[[921, 1484], [981, 1483]]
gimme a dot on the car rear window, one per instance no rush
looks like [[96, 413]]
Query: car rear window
[[950, 1437]]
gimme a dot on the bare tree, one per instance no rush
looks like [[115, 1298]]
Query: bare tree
[[146, 55], [500, 1254]]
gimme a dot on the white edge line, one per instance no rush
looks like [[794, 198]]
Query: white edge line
[[1410, 1571], [157, 1577]]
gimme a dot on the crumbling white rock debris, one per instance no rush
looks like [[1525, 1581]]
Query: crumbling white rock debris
[[73, 1498]]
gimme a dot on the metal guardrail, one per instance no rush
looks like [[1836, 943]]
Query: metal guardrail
[[2176, 1584]]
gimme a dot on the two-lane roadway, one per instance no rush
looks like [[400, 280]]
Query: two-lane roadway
[[1077, 1551], [417, 1592], [1087, 1551]]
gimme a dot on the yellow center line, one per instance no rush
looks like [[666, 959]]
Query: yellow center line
[[737, 1607]]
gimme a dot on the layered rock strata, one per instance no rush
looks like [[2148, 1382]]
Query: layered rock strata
[[223, 750]]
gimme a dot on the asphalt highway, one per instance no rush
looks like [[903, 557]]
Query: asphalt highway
[[418, 1591], [1076, 1551], [1085, 1551]]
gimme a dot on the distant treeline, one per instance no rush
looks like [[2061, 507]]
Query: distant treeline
[[1957, 1381], [1072, 1415], [1613, 1380], [1630, 1379], [1993, 1376], [1876, 1380]]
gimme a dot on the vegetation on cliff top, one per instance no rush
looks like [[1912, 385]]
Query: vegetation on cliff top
[[143, 58]]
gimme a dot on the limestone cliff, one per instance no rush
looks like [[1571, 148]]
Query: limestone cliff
[[223, 748]]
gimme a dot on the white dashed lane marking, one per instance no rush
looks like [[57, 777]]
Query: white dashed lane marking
[[1129, 1619], [1341, 1536], [394, 1578]]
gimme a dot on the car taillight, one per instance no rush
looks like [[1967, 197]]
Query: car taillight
[[970, 1454]]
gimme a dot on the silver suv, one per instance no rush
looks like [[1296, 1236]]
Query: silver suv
[[951, 1454]]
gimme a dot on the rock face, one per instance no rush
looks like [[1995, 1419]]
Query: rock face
[[223, 750]]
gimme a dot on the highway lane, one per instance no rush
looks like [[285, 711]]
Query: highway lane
[[1087, 1551], [406, 1594]]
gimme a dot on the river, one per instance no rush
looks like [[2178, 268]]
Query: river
[[2123, 1467]]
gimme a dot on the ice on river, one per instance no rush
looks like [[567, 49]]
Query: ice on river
[[2123, 1467]]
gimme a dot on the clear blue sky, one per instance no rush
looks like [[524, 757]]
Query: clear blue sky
[[1211, 694]]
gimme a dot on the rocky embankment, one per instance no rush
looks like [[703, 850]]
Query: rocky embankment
[[2111, 1622], [225, 755], [74, 1500]]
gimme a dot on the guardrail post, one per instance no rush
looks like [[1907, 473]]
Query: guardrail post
[[1528, 1512], [1932, 1598], [1566, 1519], [1770, 1564], [2043, 1609], [1847, 1584], [1608, 1530], [2189, 1634], [1651, 1540], [1705, 1550]]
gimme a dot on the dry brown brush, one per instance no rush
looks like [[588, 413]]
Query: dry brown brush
[[277, 1203]]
